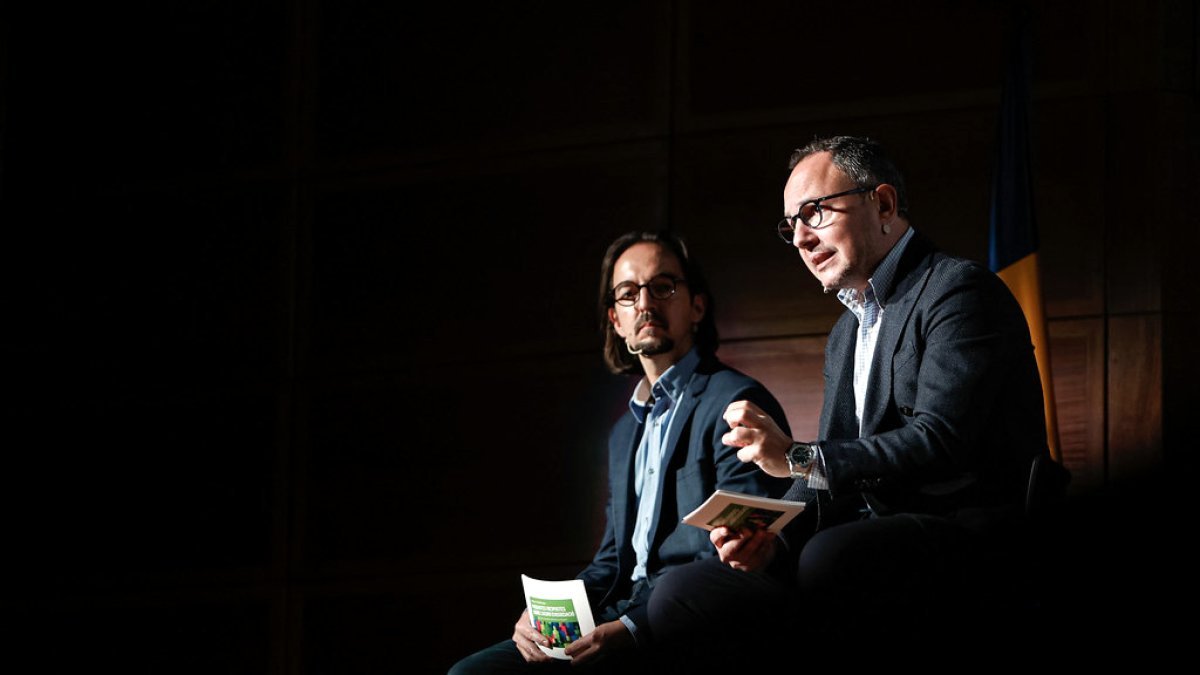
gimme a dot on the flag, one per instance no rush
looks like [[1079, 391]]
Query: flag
[[1013, 239]]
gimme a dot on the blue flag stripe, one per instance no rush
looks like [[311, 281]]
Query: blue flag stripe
[[1013, 232]]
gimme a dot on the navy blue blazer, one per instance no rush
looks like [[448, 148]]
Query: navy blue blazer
[[953, 413], [696, 463]]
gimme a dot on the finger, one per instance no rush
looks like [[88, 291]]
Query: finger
[[742, 436], [730, 438], [730, 548], [525, 633], [732, 417], [752, 410], [535, 639], [580, 651], [528, 651], [744, 409], [581, 645], [761, 550], [739, 415], [719, 535], [751, 453], [736, 406], [723, 551], [750, 547]]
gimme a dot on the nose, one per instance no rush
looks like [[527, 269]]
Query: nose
[[644, 299], [804, 236]]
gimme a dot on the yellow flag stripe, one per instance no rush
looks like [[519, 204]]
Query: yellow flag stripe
[[1023, 279]]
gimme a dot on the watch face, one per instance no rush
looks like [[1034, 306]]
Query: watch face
[[802, 454]]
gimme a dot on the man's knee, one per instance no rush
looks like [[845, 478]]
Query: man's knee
[[830, 559], [671, 603], [466, 666], [878, 566], [695, 601]]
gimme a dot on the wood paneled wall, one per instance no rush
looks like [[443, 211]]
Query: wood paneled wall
[[306, 344]]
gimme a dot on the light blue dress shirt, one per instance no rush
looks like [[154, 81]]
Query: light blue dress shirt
[[647, 463]]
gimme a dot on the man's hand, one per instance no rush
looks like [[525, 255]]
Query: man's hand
[[527, 639], [748, 550], [760, 439], [607, 638]]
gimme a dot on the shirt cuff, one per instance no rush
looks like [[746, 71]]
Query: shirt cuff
[[633, 630], [817, 478]]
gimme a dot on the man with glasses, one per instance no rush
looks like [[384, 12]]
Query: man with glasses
[[666, 454], [931, 420]]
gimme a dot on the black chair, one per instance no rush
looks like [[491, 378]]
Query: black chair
[[1046, 490]]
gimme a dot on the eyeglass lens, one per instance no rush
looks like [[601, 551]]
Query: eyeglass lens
[[660, 288]]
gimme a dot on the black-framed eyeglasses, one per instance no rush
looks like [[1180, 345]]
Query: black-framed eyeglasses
[[810, 213], [661, 287]]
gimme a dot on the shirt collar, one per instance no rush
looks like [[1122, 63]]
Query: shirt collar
[[879, 286], [670, 384]]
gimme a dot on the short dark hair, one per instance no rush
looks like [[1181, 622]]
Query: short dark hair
[[616, 356], [862, 159]]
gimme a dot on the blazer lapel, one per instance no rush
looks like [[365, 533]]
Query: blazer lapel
[[912, 274]]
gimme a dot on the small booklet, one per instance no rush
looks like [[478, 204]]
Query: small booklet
[[559, 610], [736, 510]]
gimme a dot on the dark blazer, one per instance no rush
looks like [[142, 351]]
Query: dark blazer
[[695, 464], [953, 414]]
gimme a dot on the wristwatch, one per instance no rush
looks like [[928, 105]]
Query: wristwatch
[[800, 458]]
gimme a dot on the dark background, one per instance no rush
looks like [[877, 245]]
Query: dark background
[[301, 346]]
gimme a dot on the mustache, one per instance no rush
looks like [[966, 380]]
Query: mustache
[[647, 317]]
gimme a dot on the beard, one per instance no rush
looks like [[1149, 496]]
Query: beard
[[652, 346], [837, 279]]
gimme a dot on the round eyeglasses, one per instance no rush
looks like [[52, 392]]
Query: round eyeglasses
[[661, 287], [810, 213]]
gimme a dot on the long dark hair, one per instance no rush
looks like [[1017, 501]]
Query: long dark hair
[[616, 356]]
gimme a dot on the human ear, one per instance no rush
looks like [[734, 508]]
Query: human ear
[[615, 320], [888, 202], [699, 307]]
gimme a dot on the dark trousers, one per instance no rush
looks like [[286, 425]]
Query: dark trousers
[[892, 582], [503, 657]]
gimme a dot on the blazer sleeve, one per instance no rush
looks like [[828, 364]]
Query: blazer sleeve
[[601, 576], [734, 474], [960, 389], [601, 573]]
